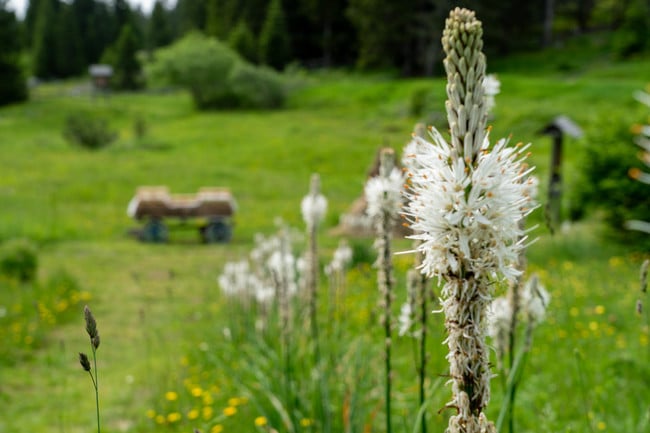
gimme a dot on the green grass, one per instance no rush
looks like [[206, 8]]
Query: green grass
[[158, 306]]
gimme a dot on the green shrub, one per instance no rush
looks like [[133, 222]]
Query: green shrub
[[216, 76], [19, 260], [603, 183], [88, 131], [256, 87], [201, 65]]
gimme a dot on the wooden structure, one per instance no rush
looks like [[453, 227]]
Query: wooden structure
[[100, 76], [557, 128], [211, 208]]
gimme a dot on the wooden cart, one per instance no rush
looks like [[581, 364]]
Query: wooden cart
[[210, 209]]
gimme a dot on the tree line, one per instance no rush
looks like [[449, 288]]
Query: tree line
[[59, 39]]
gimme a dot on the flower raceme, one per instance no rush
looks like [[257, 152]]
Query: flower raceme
[[314, 204], [465, 214], [384, 194]]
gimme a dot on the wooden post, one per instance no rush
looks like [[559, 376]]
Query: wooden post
[[555, 179], [556, 129]]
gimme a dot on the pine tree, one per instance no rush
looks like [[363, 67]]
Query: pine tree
[[160, 32], [190, 15], [13, 87], [29, 22], [241, 39], [68, 49], [220, 18], [125, 63], [275, 48], [44, 41], [380, 34]]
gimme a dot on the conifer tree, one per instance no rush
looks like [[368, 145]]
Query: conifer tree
[[241, 39], [220, 18], [44, 40], [68, 49], [126, 65], [29, 22], [275, 48], [160, 32], [190, 15], [12, 81]]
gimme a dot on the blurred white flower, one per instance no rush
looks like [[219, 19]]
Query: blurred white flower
[[283, 268], [264, 294], [235, 278], [405, 319], [314, 204], [499, 315], [491, 88], [384, 194], [341, 258], [535, 300]]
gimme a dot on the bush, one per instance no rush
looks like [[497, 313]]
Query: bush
[[216, 76], [18, 260], [199, 64], [88, 131], [256, 87], [603, 183]]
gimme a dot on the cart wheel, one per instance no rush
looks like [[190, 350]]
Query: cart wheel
[[216, 231], [155, 231]]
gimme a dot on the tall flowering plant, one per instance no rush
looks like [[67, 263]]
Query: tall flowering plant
[[466, 199], [384, 197], [313, 207]]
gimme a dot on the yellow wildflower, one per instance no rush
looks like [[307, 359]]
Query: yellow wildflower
[[230, 411], [193, 414], [151, 414], [173, 417], [260, 421], [305, 422], [160, 419], [218, 428], [171, 396], [207, 412], [207, 398], [234, 401], [599, 309], [197, 391]]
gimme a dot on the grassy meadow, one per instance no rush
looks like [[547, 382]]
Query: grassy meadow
[[166, 362]]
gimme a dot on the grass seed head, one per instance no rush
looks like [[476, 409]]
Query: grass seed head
[[83, 360], [91, 327]]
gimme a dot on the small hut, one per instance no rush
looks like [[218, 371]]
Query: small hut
[[100, 76]]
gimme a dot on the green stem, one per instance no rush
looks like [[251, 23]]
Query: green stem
[[96, 385], [423, 347]]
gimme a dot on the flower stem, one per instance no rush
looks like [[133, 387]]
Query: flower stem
[[95, 385]]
